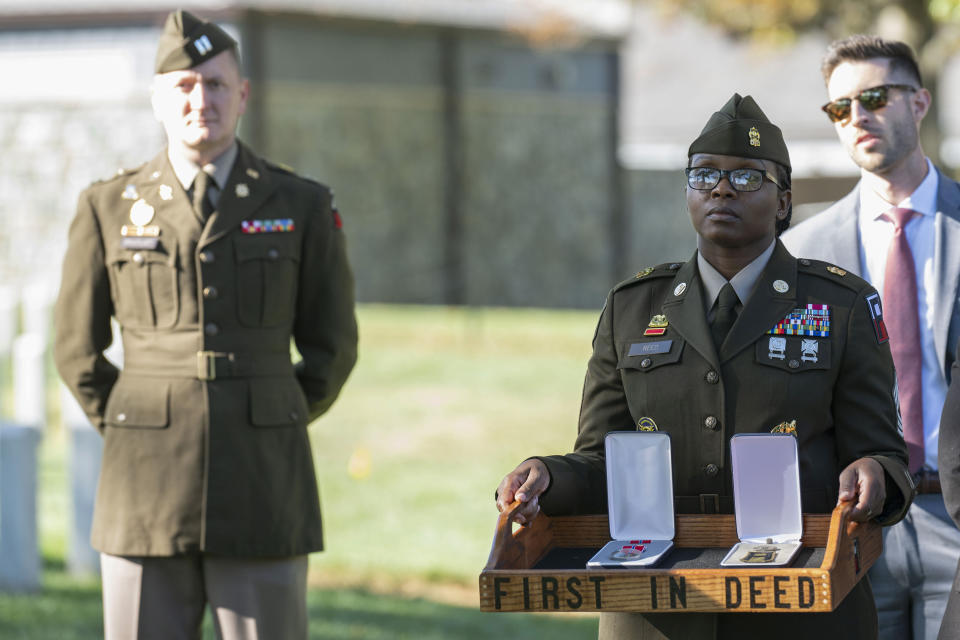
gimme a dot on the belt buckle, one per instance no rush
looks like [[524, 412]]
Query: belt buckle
[[206, 365], [711, 500]]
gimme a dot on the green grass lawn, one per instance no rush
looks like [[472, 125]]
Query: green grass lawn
[[442, 404]]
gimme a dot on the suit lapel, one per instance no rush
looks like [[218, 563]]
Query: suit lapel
[[685, 311], [843, 244], [248, 187], [766, 305], [946, 263]]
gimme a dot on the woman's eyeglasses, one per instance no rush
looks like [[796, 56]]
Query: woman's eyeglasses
[[705, 178], [870, 99]]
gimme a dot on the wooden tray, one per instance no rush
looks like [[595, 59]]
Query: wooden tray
[[542, 567]]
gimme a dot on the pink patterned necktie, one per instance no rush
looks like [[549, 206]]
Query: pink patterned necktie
[[901, 314]]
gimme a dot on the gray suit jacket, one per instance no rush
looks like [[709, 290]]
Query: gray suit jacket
[[833, 236]]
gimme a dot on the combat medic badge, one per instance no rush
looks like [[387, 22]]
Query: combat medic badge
[[766, 499], [141, 234]]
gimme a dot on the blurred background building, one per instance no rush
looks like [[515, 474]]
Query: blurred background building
[[505, 152]]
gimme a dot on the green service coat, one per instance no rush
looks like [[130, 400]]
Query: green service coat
[[205, 440], [842, 399]]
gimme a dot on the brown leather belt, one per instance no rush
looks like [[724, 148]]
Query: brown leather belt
[[927, 481]]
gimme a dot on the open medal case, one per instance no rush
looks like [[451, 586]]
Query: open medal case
[[766, 500], [640, 497], [543, 566]]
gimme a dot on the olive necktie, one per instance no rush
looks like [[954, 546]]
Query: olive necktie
[[726, 314], [201, 198], [903, 325]]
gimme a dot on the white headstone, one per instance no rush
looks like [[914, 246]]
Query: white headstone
[[29, 380]]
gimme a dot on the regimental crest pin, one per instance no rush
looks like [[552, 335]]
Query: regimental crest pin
[[754, 137], [130, 192], [242, 190], [836, 270], [141, 213], [786, 428], [166, 192], [644, 272], [253, 173], [646, 424]]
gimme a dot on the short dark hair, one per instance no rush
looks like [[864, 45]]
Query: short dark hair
[[783, 177], [860, 47]]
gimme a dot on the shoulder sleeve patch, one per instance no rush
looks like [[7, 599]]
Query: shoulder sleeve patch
[[876, 314]]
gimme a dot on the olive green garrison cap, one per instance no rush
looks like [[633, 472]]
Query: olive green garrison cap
[[187, 41], [740, 128]]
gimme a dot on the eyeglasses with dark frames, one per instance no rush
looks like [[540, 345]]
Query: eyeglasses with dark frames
[[870, 99], [706, 178]]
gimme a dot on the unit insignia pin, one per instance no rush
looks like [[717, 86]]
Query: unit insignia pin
[[141, 213], [680, 289], [659, 320], [644, 272], [166, 192], [787, 428], [242, 190], [754, 137], [130, 192], [646, 424], [780, 286], [837, 270], [657, 327], [253, 173]]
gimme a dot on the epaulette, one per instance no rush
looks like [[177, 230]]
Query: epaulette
[[832, 273], [667, 269], [286, 169], [121, 173]]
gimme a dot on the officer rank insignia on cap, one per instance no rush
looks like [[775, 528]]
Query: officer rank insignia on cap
[[283, 225], [754, 137], [812, 320], [876, 314]]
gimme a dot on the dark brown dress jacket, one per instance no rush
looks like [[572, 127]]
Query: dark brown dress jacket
[[842, 401], [205, 440]]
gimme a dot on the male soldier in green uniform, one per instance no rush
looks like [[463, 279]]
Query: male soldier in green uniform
[[741, 338], [210, 259]]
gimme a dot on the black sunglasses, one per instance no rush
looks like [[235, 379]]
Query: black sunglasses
[[871, 99], [706, 178]]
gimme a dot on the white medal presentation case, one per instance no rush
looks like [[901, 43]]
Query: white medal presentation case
[[766, 499], [640, 500]]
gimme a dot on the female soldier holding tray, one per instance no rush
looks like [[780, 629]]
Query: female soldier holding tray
[[741, 338]]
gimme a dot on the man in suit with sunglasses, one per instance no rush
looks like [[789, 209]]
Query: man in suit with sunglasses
[[900, 229]]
